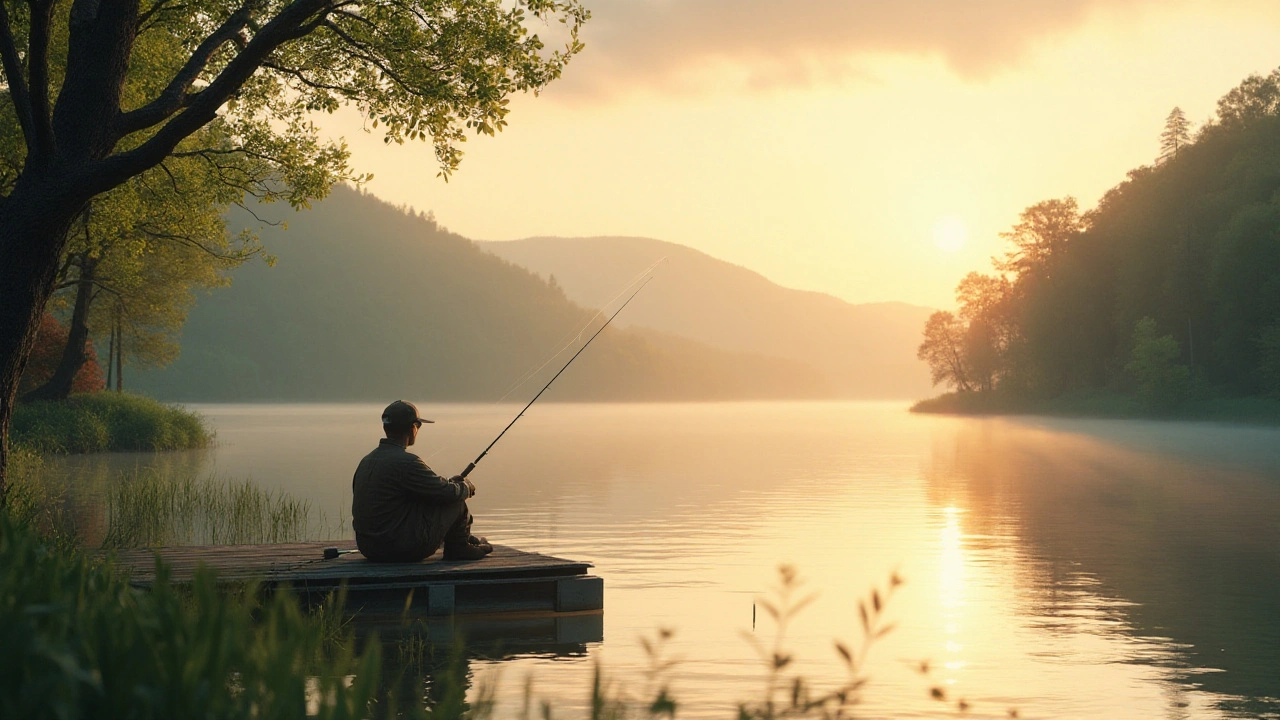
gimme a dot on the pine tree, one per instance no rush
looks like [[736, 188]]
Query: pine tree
[[1176, 135]]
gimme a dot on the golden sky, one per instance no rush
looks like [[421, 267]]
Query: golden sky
[[870, 149]]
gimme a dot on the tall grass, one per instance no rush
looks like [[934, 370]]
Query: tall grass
[[79, 642], [106, 422], [149, 508]]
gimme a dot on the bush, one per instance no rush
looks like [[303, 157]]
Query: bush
[[80, 642], [51, 340], [106, 422]]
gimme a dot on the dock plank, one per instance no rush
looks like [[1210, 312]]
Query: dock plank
[[297, 562], [506, 580]]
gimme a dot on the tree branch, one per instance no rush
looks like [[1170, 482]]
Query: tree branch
[[156, 9], [235, 257], [361, 50], [38, 67], [18, 93], [175, 96], [203, 107]]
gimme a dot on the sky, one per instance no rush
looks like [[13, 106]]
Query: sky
[[870, 149]]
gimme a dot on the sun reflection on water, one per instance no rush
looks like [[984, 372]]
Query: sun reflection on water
[[952, 590]]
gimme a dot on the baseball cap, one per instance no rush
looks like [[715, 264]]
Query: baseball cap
[[402, 413]]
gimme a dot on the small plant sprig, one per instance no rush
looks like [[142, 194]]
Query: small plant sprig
[[800, 700], [939, 693]]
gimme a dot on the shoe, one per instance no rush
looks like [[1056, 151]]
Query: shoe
[[473, 540], [466, 552]]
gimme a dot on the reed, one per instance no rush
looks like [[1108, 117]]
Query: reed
[[148, 508], [80, 642]]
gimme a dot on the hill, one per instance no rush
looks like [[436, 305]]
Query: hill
[[1164, 299], [370, 302], [862, 351]]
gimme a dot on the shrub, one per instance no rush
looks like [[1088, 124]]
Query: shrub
[[103, 422], [51, 340]]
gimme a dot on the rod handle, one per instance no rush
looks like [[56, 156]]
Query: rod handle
[[470, 467]]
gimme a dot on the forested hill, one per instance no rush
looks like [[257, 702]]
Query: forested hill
[[863, 351], [369, 302], [1167, 291]]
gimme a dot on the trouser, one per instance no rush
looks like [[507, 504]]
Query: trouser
[[444, 523], [449, 524]]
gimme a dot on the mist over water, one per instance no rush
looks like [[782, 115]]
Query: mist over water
[[1066, 568]]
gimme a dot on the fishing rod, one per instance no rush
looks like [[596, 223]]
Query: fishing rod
[[480, 457], [572, 337]]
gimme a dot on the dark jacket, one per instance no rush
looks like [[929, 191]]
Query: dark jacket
[[394, 497]]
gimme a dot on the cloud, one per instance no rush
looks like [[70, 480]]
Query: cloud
[[669, 43]]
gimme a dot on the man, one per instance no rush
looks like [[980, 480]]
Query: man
[[402, 510]]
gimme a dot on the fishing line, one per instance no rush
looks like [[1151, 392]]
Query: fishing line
[[566, 342], [585, 345], [572, 338]]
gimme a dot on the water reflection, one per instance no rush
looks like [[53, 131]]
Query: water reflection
[[426, 662], [1181, 556], [951, 584]]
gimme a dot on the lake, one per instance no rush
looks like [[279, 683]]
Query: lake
[[1065, 568]]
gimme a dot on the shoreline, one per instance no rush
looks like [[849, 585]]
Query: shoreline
[[1103, 405]]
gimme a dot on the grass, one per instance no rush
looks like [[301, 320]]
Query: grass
[[148, 508], [80, 642], [106, 422], [31, 500]]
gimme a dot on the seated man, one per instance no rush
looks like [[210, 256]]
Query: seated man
[[402, 510]]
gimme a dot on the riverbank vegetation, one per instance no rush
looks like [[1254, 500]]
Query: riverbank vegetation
[[149, 509], [1163, 300], [106, 422], [80, 642]]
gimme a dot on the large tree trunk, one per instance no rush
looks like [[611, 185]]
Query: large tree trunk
[[34, 221], [75, 354]]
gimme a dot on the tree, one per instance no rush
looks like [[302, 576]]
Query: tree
[[944, 350], [143, 247], [50, 341], [1258, 96], [985, 307], [1163, 382], [1042, 234], [1176, 135], [91, 117]]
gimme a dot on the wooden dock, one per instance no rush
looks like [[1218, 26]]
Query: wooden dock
[[506, 581]]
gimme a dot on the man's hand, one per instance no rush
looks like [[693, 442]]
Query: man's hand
[[471, 487]]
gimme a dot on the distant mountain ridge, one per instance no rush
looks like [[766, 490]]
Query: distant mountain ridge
[[862, 351], [371, 302]]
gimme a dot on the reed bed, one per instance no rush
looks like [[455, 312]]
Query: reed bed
[[148, 508]]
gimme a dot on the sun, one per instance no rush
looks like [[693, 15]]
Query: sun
[[949, 234]]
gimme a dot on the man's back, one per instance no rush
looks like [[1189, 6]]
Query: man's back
[[394, 495]]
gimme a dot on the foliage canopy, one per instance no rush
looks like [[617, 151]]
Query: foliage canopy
[[101, 93], [1172, 281]]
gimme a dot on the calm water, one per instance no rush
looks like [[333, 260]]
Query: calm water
[[1066, 568]]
